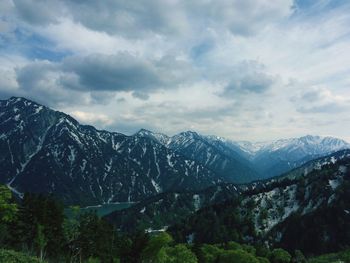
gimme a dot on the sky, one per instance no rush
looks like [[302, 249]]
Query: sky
[[245, 70]]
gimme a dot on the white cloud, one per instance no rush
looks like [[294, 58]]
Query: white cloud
[[241, 69], [319, 99], [89, 117]]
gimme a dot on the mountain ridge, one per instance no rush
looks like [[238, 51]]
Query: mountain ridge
[[43, 150], [48, 151]]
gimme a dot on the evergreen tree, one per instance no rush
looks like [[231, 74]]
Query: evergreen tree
[[8, 212]]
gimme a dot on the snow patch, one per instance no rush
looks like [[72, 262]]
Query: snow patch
[[156, 186]]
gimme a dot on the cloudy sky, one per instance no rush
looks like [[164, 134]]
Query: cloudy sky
[[241, 69]]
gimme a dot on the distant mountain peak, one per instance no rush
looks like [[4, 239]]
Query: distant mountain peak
[[14, 100], [143, 132], [189, 134]]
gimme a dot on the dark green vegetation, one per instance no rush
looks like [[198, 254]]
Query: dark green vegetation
[[168, 208], [38, 227], [343, 256], [310, 214], [10, 256], [36, 230]]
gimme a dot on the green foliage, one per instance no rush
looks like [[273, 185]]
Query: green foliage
[[10, 256], [96, 238], [8, 210], [154, 251], [262, 250], [93, 260], [343, 256], [180, 254], [279, 255], [248, 248], [233, 245], [71, 232], [299, 257], [36, 212], [209, 253], [218, 223], [39, 227], [40, 241], [237, 256], [263, 260], [230, 252]]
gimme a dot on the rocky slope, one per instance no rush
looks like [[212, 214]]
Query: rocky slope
[[308, 212], [42, 150]]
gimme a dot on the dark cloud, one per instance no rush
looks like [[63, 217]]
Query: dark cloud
[[38, 12], [97, 77], [257, 82], [140, 95], [248, 77], [136, 18], [124, 72], [39, 81], [129, 18], [119, 72]]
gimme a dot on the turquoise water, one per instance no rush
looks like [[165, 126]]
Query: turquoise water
[[102, 210], [105, 209]]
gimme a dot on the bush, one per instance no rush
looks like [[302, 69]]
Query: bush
[[10, 256], [263, 260], [237, 256], [279, 255], [209, 253]]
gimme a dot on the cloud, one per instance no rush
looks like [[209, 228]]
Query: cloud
[[321, 100], [38, 12], [118, 72], [247, 77], [256, 82], [220, 67], [124, 72], [88, 117], [139, 18], [241, 17], [40, 81], [96, 78]]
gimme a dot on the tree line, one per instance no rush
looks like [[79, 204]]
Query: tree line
[[37, 230]]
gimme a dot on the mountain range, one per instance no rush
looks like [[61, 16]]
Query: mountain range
[[168, 208], [309, 211], [46, 151]]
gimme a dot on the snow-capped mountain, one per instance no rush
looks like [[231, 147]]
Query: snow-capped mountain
[[48, 151], [307, 144], [277, 157], [214, 154], [42, 150]]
